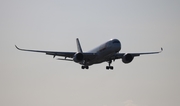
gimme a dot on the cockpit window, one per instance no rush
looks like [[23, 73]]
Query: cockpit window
[[116, 41]]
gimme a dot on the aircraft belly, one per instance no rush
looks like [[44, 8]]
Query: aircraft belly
[[102, 57], [103, 54]]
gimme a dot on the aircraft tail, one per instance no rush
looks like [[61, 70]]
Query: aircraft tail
[[78, 46]]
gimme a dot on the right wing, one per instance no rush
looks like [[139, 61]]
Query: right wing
[[64, 54], [87, 56]]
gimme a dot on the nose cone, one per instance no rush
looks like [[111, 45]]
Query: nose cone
[[117, 44]]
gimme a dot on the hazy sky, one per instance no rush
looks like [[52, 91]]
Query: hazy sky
[[35, 79]]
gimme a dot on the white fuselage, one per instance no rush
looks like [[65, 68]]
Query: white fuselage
[[105, 51]]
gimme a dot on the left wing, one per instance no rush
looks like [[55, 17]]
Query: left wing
[[120, 55], [64, 54]]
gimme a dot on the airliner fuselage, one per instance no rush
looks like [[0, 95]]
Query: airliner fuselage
[[104, 51]]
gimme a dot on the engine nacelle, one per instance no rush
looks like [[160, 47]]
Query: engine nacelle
[[78, 57], [127, 58]]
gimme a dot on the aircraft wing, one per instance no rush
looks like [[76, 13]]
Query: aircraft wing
[[120, 55], [64, 54], [87, 56]]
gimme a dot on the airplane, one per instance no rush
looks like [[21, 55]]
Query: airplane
[[106, 52]]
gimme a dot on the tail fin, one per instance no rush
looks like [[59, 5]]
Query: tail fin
[[78, 46]]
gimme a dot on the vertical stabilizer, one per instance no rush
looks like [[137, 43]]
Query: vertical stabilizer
[[78, 46]]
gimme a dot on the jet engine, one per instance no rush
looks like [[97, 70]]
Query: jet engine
[[127, 58], [78, 57]]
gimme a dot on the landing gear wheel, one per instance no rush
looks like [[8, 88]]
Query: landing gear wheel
[[84, 67], [111, 67], [107, 67]]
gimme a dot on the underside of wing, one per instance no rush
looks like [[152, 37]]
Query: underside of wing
[[128, 57], [86, 56], [120, 55], [64, 54]]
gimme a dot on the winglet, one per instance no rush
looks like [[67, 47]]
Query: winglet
[[17, 47], [78, 46], [161, 49], [21, 49]]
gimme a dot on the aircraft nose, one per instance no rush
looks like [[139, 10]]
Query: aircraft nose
[[118, 45]]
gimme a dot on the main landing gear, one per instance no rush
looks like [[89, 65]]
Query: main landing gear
[[109, 67], [85, 67]]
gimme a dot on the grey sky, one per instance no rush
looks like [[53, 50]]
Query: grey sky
[[32, 79]]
